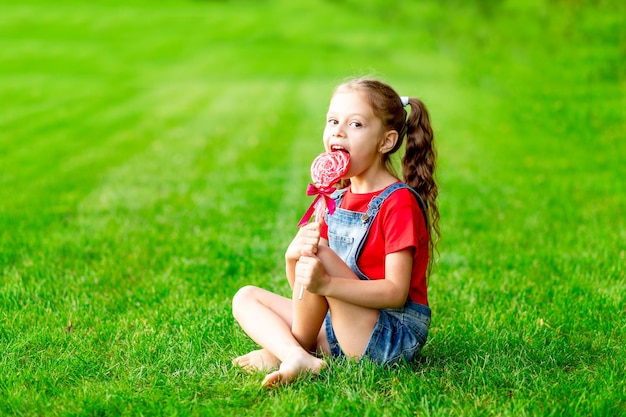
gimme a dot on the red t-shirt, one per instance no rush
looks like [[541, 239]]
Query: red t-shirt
[[399, 225]]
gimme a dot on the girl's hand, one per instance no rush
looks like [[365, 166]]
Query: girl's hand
[[310, 273], [306, 241]]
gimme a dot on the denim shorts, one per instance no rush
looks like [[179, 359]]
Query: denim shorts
[[399, 334]]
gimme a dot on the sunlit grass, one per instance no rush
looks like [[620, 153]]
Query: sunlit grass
[[154, 157]]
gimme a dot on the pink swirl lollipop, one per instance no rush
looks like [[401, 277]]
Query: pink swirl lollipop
[[326, 170]]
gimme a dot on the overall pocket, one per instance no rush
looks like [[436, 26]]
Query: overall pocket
[[341, 245]]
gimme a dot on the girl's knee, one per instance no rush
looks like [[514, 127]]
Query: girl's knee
[[244, 296]]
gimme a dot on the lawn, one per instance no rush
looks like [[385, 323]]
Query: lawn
[[154, 158]]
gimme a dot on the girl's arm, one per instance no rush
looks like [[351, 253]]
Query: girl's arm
[[326, 274], [306, 241]]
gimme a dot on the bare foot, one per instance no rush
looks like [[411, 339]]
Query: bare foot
[[294, 366], [257, 360]]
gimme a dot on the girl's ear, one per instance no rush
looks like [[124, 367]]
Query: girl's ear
[[388, 142]]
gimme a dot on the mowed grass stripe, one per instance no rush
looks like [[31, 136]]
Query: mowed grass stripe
[[59, 171], [67, 129], [202, 180], [202, 132], [121, 328], [242, 200], [87, 296]]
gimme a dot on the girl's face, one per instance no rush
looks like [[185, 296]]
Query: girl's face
[[351, 126]]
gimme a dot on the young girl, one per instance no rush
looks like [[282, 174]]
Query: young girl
[[364, 268]]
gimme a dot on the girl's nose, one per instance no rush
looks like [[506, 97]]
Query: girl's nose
[[337, 130]]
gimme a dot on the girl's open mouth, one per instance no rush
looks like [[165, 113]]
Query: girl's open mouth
[[337, 148]]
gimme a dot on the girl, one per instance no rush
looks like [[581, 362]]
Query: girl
[[364, 268]]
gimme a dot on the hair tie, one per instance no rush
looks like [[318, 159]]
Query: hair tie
[[404, 100]]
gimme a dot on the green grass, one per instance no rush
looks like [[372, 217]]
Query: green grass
[[154, 157]]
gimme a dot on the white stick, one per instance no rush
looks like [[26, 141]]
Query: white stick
[[301, 292]]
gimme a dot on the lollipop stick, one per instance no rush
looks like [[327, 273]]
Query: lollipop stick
[[301, 292]]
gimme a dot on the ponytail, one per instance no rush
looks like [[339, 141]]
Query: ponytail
[[419, 162]]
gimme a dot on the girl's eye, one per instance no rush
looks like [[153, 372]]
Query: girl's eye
[[332, 121], [356, 124]]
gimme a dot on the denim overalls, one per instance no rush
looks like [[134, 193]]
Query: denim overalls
[[398, 333]]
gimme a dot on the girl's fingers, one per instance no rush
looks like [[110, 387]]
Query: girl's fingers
[[307, 256], [313, 229], [313, 226], [308, 249]]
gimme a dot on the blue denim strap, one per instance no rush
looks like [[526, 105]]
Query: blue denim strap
[[376, 202]]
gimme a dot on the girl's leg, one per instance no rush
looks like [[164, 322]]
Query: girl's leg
[[353, 325], [307, 319], [267, 318], [245, 302], [308, 316]]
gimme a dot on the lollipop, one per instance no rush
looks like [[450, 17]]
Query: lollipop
[[326, 170]]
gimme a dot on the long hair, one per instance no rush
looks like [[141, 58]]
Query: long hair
[[419, 160]]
